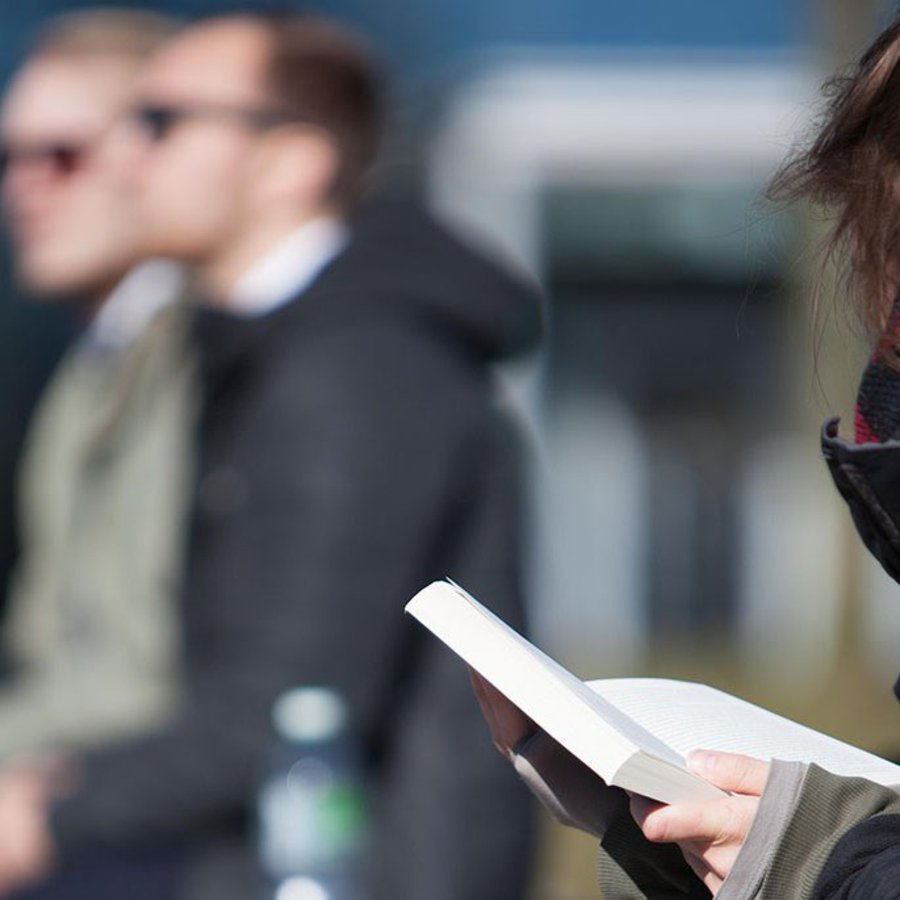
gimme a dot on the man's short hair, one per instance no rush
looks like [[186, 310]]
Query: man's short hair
[[127, 34], [325, 74]]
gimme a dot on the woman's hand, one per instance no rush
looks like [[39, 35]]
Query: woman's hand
[[507, 723], [710, 833]]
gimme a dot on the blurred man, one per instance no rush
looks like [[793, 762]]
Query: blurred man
[[349, 453], [104, 478]]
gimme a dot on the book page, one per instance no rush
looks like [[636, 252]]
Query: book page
[[689, 716]]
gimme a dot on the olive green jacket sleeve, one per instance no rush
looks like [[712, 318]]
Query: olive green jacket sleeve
[[803, 814], [804, 811]]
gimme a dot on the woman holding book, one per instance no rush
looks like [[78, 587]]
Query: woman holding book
[[788, 830]]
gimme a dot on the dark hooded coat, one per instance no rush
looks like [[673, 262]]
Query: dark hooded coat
[[866, 861], [350, 452]]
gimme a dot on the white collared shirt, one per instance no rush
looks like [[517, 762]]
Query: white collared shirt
[[288, 269], [138, 297]]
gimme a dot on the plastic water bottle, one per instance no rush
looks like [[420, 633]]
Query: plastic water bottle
[[310, 807]]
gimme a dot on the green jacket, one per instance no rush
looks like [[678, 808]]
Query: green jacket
[[103, 494]]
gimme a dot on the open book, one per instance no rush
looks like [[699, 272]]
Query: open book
[[633, 732]]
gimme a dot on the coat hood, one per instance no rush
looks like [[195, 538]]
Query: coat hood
[[403, 260]]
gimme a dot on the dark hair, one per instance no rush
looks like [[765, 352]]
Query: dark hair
[[852, 169], [327, 75]]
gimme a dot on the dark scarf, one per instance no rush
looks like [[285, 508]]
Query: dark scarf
[[877, 415]]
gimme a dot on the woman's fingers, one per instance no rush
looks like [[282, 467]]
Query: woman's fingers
[[730, 771], [507, 723], [702, 870], [710, 834], [720, 821]]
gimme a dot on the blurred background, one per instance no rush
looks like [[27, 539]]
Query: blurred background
[[682, 523]]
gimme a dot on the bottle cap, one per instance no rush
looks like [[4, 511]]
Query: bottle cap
[[309, 714]]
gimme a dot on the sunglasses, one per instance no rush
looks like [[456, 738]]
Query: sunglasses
[[61, 159], [160, 120]]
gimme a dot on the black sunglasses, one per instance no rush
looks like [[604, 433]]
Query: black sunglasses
[[61, 158], [159, 120]]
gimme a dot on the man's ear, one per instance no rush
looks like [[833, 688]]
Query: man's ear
[[296, 168]]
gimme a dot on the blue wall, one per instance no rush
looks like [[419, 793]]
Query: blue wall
[[427, 36], [421, 37]]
